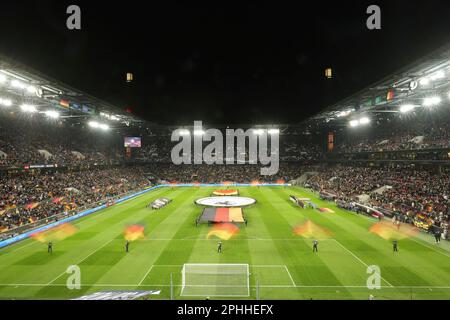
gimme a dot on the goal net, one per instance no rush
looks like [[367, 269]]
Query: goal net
[[199, 279]]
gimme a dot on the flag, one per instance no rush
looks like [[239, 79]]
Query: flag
[[56, 233], [388, 231], [31, 205], [57, 200], [223, 231], [226, 192], [134, 232], [310, 230]]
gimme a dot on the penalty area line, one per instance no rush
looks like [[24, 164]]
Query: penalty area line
[[357, 258], [290, 276], [61, 274], [179, 285], [145, 276], [430, 247]]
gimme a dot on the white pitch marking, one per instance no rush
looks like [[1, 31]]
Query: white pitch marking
[[179, 285], [146, 274], [357, 258], [430, 247], [290, 276], [82, 260]]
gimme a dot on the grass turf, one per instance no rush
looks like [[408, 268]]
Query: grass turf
[[281, 263]]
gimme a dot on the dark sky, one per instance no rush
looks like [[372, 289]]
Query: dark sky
[[221, 61]]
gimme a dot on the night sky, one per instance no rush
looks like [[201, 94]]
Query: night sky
[[221, 61]]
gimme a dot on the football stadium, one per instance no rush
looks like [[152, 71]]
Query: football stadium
[[350, 203]]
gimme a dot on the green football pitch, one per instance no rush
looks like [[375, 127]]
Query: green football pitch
[[281, 263]]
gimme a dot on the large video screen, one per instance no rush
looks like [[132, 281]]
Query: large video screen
[[132, 142]]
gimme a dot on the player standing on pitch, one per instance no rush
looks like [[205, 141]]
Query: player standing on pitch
[[395, 245], [50, 247], [219, 247], [127, 244], [315, 246]]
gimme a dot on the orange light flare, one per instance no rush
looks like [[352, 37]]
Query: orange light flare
[[310, 230], [280, 181], [224, 231], [255, 183], [134, 232], [389, 231], [57, 233]]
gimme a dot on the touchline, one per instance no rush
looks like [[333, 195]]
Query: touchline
[[189, 150]]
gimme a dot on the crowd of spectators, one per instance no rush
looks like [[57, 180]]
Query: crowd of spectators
[[219, 173], [399, 134], [33, 141], [407, 193], [26, 198]]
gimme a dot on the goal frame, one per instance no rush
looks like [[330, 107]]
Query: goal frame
[[183, 280]]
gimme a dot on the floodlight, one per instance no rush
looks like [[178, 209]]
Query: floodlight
[[5, 102], [184, 132], [93, 124], [438, 75], [103, 126], [424, 81], [431, 101], [344, 113], [52, 114], [406, 108], [354, 123], [18, 84], [28, 108], [2, 78], [364, 120], [31, 89], [199, 132], [273, 131]]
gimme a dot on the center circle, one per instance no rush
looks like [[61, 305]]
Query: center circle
[[225, 201]]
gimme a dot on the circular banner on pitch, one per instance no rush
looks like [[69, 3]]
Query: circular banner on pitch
[[226, 192], [225, 201]]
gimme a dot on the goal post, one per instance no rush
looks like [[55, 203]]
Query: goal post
[[215, 280]]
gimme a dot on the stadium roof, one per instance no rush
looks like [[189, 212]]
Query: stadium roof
[[413, 86], [21, 85]]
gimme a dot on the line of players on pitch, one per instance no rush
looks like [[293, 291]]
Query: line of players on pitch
[[315, 246]]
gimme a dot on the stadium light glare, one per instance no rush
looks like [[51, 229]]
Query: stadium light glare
[[93, 124], [31, 89], [431, 101], [103, 126], [199, 132], [424, 81], [344, 113], [28, 108], [353, 123], [364, 120], [437, 75], [52, 114], [258, 131], [18, 84], [184, 132], [5, 102], [406, 108], [2, 78], [273, 131]]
